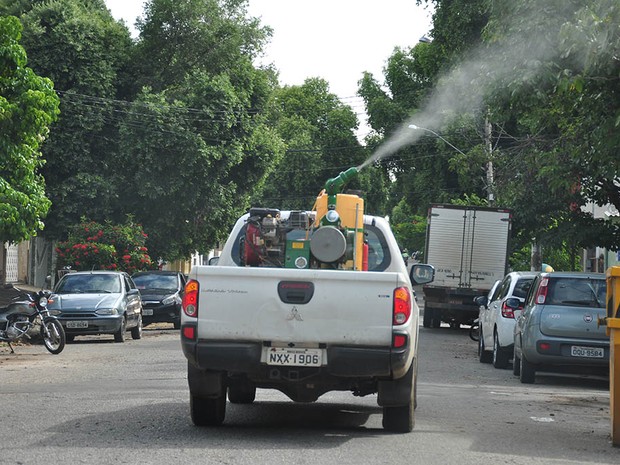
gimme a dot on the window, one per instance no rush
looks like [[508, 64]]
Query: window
[[577, 292], [522, 286]]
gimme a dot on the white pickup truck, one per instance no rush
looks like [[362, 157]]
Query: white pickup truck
[[272, 315]]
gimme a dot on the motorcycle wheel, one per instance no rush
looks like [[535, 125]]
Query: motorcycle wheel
[[53, 335]]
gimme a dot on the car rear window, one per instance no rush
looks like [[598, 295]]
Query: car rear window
[[577, 292], [522, 286]]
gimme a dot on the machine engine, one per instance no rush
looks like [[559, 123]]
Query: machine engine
[[329, 236]]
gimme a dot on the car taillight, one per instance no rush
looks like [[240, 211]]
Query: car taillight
[[190, 298], [399, 340], [507, 312], [402, 306], [541, 292]]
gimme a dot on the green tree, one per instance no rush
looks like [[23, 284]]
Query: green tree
[[84, 51], [194, 139], [28, 105], [319, 132]]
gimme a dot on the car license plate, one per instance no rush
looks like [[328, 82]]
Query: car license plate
[[286, 356], [77, 324], [147, 312], [590, 352]]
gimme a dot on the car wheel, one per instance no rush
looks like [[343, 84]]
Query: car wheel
[[176, 325], [527, 372], [516, 363], [427, 319], [243, 394], [136, 333], [483, 355], [500, 356], [208, 411], [119, 336]]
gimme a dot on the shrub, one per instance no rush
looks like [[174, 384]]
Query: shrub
[[95, 246]]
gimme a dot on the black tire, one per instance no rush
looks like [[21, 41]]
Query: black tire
[[474, 332], [136, 333], [516, 363], [436, 318], [119, 336], [527, 371], [176, 324], [53, 335], [500, 356], [399, 419], [427, 319], [483, 355], [241, 394], [208, 411]]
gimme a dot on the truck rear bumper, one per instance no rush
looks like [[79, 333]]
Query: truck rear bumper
[[342, 361]]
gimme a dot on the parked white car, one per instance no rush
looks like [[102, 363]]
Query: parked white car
[[497, 320]]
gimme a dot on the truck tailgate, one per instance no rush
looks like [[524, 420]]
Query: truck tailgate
[[346, 307]]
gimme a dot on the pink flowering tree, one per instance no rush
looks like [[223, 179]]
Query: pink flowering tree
[[96, 246]]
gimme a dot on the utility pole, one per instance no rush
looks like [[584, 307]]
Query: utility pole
[[489, 150]]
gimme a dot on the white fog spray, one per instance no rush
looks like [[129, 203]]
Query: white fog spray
[[464, 89]]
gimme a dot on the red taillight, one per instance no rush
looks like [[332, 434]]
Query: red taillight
[[402, 306], [399, 340], [541, 293], [507, 312], [544, 346], [189, 332], [190, 298]]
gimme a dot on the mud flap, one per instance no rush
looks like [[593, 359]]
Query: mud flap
[[205, 383], [396, 392]]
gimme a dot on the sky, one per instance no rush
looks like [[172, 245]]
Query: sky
[[336, 40]]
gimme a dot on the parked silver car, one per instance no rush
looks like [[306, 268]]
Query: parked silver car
[[558, 329], [497, 319], [97, 302]]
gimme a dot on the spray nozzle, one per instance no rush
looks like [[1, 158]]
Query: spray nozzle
[[334, 185]]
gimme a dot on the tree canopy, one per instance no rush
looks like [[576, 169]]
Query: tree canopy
[[28, 105]]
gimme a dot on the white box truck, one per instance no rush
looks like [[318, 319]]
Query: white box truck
[[468, 246]]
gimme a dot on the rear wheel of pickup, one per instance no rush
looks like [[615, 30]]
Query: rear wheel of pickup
[[241, 394], [208, 411]]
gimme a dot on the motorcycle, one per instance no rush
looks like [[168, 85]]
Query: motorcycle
[[22, 315]]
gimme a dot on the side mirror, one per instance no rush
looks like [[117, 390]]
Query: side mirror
[[213, 261], [481, 300], [513, 303], [422, 274]]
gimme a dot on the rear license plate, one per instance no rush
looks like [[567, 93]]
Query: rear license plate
[[147, 312], [77, 324], [285, 356], [589, 352]]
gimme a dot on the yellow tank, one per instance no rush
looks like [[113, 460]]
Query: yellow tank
[[351, 210]]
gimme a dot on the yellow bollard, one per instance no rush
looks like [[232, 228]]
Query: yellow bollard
[[613, 331]]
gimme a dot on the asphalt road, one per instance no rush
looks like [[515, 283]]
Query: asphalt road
[[100, 402]]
